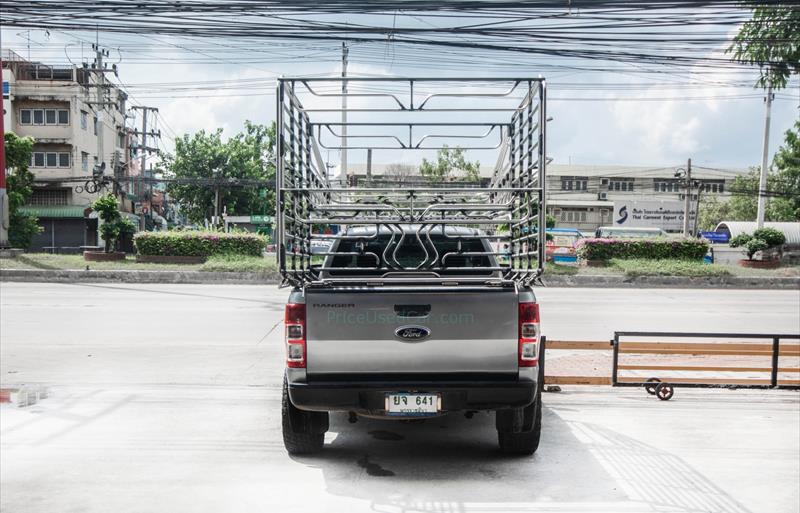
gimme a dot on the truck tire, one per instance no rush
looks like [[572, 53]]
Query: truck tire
[[524, 443], [303, 431]]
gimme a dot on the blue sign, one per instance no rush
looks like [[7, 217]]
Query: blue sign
[[715, 236], [6, 88]]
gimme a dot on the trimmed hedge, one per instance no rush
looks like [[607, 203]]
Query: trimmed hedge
[[659, 248], [202, 244]]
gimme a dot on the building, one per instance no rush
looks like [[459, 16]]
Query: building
[[587, 197], [77, 119], [584, 197]]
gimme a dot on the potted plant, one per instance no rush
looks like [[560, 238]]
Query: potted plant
[[113, 229], [760, 241]]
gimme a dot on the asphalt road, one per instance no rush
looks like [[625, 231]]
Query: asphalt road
[[167, 398]]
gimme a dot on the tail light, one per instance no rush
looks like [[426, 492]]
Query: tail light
[[528, 334], [295, 321]]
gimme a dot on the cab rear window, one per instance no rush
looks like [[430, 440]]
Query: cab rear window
[[448, 255]]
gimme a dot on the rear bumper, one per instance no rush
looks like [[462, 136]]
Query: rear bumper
[[369, 397]]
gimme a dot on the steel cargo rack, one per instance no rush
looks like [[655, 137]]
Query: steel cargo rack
[[506, 116]]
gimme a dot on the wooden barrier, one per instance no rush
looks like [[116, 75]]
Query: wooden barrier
[[725, 347]]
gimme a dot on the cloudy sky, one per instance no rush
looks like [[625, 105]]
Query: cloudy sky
[[620, 117]]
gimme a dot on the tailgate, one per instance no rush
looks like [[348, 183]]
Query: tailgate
[[374, 331]]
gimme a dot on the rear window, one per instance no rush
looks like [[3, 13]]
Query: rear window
[[410, 255]]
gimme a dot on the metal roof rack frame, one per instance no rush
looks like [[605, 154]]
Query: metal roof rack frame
[[508, 209]]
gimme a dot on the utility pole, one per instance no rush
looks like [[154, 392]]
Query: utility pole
[[4, 221], [99, 68], [145, 150], [344, 171], [762, 181], [687, 200], [369, 167]]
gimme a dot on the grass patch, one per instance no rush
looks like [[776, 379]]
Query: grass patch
[[689, 268], [239, 263], [49, 261], [554, 269]]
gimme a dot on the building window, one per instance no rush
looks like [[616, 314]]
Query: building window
[[713, 186], [48, 197], [84, 162], [572, 216], [120, 140], [620, 184], [37, 159], [576, 183], [84, 120], [43, 117], [665, 185], [50, 159], [96, 123]]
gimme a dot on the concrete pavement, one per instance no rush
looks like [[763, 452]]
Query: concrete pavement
[[167, 398]]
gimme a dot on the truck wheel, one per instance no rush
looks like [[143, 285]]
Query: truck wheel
[[524, 443], [303, 431]]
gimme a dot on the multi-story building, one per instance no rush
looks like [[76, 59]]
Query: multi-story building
[[584, 197], [77, 120]]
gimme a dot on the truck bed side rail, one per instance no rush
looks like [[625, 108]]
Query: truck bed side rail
[[507, 116]]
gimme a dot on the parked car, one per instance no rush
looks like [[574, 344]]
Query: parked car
[[616, 232], [561, 245]]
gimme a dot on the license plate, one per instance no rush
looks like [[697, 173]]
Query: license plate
[[412, 404]]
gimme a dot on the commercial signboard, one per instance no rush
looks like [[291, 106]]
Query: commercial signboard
[[667, 215]]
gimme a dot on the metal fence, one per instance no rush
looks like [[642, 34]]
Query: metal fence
[[662, 378]]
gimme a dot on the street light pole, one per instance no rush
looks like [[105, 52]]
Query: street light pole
[[687, 201], [4, 220], [762, 181]]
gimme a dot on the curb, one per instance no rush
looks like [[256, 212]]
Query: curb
[[272, 278], [125, 276]]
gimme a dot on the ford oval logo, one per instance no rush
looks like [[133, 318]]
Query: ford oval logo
[[412, 333]]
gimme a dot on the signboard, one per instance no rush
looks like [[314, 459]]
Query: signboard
[[715, 237], [667, 215], [261, 219]]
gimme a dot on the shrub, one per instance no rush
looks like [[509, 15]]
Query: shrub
[[762, 239], [771, 236], [740, 240], [755, 245], [605, 249], [114, 227], [203, 244]]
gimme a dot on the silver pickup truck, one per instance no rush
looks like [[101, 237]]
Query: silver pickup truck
[[423, 304], [412, 350]]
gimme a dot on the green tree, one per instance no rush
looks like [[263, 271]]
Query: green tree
[[712, 212], [450, 161], [786, 166], [771, 39], [114, 227], [204, 156], [783, 184], [19, 187]]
